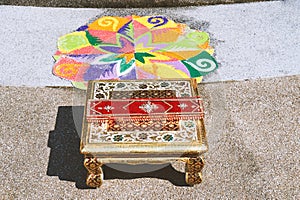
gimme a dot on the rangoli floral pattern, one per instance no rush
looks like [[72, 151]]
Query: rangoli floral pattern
[[133, 47]]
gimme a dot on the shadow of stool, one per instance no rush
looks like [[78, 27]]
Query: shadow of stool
[[66, 161]]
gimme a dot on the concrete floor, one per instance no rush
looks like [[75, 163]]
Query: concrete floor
[[253, 130], [120, 3]]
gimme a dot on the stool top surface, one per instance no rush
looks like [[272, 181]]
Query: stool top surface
[[163, 137]]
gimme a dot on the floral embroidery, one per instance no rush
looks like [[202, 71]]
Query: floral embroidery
[[142, 136], [164, 84], [148, 107], [168, 137], [118, 138], [143, 86], [120, 85], [189, 124]]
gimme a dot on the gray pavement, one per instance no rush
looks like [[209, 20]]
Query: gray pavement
[[253, 131], [252, 41], [119, 3]]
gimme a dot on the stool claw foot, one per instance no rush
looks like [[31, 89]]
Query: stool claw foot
[[95, 175], [94, 180], [193, 170]]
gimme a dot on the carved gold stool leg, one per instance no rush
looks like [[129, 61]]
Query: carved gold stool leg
[[95, 176], [193, 170]]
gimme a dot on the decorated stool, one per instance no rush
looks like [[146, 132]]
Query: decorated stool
[[143, 121]]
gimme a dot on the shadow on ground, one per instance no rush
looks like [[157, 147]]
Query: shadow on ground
[[66, 162]]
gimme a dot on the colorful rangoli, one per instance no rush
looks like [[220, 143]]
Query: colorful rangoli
[[133, 47]]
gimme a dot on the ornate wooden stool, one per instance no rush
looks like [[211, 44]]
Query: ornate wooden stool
[[143, 121]]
